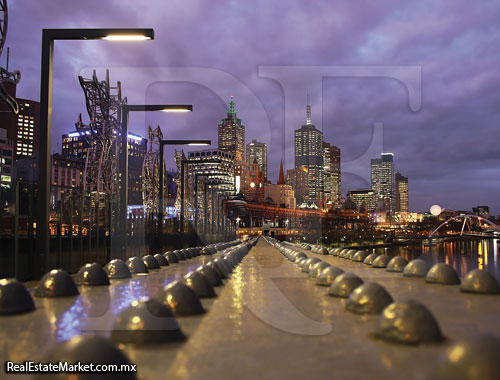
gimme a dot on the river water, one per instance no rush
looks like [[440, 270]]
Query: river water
[[463, 255]]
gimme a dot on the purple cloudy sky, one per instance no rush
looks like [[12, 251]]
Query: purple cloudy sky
[[206, 51]]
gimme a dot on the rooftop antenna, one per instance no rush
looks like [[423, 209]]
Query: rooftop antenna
[[308, 111]]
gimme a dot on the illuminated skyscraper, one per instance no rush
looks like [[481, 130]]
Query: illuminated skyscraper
[[382, 181], [309, 154], [331, 174], [402, 200], [232, 134], [257, 151]]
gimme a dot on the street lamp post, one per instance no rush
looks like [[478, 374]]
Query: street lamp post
[[126, 109], [46, 76], [161, 179]]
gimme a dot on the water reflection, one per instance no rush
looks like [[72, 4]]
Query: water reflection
[[463, 255]]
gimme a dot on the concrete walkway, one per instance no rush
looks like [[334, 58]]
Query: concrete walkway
[[269, 321]]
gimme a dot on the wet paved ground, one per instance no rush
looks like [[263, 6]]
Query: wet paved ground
[[269, 321]]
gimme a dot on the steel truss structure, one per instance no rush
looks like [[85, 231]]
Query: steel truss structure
[[103, 104], [151, 171], [5, 75]]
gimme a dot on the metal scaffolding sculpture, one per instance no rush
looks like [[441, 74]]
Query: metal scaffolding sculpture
[[5, 75], [151, 171], [103, 103]]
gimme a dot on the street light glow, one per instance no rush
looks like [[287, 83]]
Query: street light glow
[[126, 37], [176, 110]]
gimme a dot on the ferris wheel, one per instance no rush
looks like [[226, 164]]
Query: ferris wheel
[[5, 75]]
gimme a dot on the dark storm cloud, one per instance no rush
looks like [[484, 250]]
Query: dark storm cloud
[[448, 148]]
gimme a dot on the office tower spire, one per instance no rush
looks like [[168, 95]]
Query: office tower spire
[[308, 111], [232, 108]]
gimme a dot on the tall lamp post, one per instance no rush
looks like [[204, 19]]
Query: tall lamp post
[[46, 76], [126, 109], [162, 166]]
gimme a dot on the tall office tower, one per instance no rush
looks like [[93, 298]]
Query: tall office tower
[[23, 128], [309, 153], [257, 151], [336, 175], [382, 181], [297, 179], [232, 134], [402, 200], [331, 174], [327, 173]]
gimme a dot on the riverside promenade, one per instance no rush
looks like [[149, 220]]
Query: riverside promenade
[[268, 321]]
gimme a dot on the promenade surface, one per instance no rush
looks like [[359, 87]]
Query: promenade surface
[[269, 321]]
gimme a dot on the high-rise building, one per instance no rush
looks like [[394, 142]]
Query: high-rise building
[[23, 128], [364, 199], [206, 169], [214, 165], [331, 174], [75, 145], [232, 134], [382, 181], [257, 151], [297, 179], [309, 153], [402, 200]]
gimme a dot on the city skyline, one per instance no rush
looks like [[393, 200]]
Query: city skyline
[[456, 99]]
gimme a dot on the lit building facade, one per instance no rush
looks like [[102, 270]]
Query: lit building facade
[[75, 145], [483, 211], [331, 174], [257, 151], [6, 165], [297, 179], [232, 134], [364, 199], [23, 128], [383, 181], [213, 165], [402, 196], [67, 171], [309, 153]]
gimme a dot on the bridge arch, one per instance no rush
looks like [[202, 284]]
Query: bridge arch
[[467, 218]]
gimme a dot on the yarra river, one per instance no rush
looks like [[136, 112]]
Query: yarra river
[[464, 255]]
